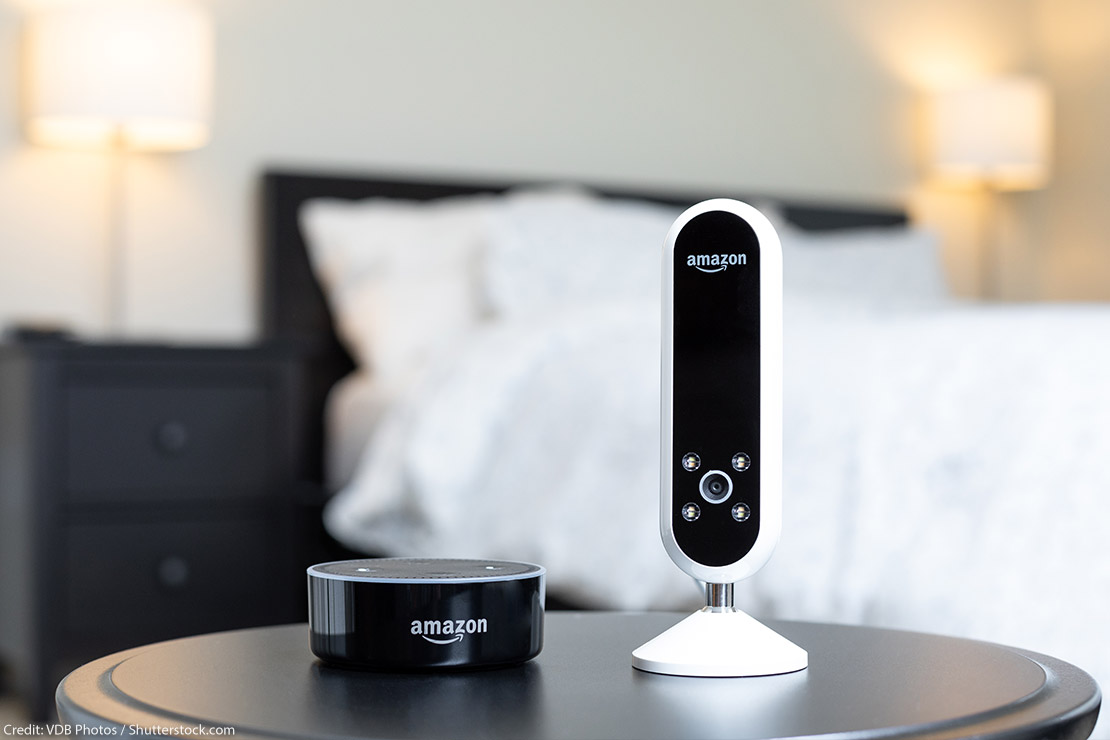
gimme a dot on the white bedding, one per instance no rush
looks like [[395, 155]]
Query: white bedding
[[355, 406], [928, 457], [945, 464]]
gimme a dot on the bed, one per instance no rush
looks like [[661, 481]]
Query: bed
[[945, 462]]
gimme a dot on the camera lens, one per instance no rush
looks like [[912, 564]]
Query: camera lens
[[715, 486]]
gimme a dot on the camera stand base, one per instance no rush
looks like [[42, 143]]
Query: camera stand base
[[720, 643]]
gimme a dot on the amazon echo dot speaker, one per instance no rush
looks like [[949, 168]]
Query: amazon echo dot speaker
[[418, 614]]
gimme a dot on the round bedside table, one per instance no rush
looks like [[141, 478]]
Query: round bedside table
[[861, 683]]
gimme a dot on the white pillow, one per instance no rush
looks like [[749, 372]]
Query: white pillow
[[876, 267], [400, 276], [562, 247]]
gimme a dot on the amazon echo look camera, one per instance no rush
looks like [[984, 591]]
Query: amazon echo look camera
[[720, 504], [422, 614]]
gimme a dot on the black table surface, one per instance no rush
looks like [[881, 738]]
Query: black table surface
[[861, 683]]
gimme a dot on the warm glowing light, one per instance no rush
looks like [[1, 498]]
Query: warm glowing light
[[995, 132], [136, 73]]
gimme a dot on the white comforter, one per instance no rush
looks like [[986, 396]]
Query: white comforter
[[945, 470]]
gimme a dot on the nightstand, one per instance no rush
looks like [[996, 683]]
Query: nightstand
[[146, 492], [862, 683]]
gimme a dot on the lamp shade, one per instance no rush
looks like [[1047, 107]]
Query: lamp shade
[[133, 73], [997, 132]]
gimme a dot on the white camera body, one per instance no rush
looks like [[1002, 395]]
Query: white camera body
[[720, 503], [720, 507]]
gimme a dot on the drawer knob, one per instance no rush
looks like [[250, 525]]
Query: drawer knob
[[172, 437], [173, 572]]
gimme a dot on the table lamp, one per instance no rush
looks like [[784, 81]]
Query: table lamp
[[122, 76], [995, 135]]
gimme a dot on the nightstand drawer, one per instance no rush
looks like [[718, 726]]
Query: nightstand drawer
[[148, 492], [163, 579], [178, 441]]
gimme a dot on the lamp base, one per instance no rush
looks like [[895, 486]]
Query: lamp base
[[720, 643]]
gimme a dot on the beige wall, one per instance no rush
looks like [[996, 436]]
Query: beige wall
[[1072, 217], [810, 97]]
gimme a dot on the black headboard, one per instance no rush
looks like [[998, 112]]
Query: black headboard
[[294, 309]]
